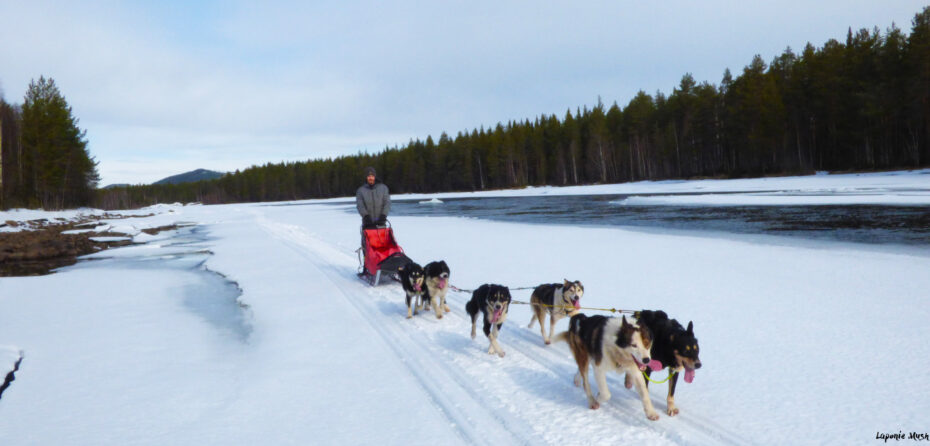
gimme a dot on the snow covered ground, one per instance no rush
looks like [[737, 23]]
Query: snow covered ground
[[25, 219], [869, 186], [249, 326]]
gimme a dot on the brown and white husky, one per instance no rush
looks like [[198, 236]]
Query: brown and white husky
[[608, 343]]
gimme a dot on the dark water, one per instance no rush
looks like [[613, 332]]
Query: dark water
[[874, 224]]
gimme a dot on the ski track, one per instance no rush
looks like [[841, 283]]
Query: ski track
[[473, 421], [476, 391], [624, 403]]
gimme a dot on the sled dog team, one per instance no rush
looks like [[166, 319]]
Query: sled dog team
[[647, 342]]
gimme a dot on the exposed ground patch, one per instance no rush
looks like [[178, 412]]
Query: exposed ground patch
[[44, 245], [11, 376]]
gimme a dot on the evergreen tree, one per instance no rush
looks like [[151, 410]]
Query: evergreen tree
[[61, 173], [918, 60], [860, 104]]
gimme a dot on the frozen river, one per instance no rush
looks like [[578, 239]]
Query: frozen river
[[859, 223]]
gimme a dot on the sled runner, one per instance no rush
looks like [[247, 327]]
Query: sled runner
[[382, 255]]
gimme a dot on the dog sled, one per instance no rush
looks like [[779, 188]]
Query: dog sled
[[380, 256]]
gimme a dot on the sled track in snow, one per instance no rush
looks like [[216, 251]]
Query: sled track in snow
[[477, 422], [448, 386], [624, 404]]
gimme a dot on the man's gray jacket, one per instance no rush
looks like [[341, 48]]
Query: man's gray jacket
[[373, 201]]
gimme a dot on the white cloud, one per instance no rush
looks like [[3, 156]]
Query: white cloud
[[247, 82], [146, 154]]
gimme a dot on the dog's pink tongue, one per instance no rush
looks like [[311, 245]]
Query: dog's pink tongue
[[689, 375], [577, 305], [416, 287], [496, 316], [442, 283], [655, 365]]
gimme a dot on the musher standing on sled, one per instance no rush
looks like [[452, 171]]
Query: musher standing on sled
[[383, 257], [373, 201]]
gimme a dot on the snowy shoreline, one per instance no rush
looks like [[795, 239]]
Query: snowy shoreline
[[145, 348], [889, 184]]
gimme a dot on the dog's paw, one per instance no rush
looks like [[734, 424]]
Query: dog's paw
[[603, 397], [652, 415], [628, 381], [501, 354], [594, 405], [672, 411], [446, 308], [547, 341], [409, 316], [439, 316]]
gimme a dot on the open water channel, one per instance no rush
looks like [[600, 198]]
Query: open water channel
[[872, 224]]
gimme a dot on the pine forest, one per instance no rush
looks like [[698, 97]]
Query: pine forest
[[855, 105]]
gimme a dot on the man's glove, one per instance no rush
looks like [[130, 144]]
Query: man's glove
[[366, 220], [382, 220]]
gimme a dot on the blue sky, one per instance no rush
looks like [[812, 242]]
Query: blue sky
[[169, 86]]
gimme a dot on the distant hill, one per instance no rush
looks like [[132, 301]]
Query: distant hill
[[190, 177]]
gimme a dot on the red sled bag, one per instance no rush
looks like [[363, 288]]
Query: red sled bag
[[379, 245], [383, 256]]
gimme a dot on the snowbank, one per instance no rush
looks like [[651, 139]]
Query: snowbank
[[145, 345], [782, 199]]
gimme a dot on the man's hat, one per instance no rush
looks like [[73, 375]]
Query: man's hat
[[370, 171]]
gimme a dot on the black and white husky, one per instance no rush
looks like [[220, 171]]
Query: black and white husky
[[411, 279], [612, 344], [557, 299], [675, 347], [492, 301], [437, 284]]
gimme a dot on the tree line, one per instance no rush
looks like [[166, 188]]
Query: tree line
[[862, 104], [44, 160]]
